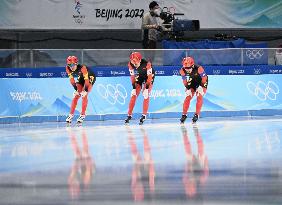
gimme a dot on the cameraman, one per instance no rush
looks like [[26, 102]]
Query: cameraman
[[150, 26]]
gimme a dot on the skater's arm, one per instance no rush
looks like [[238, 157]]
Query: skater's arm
[[72, 81], [184, 78], [85, 76], [202, 73], [132, 75], [149, 74]]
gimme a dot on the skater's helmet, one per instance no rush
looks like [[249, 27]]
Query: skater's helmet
[[135, 58], [188, 62], [72, 62]]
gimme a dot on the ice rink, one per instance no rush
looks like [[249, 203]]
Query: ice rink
[[217, 161]]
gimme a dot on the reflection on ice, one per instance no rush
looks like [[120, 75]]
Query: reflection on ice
[[161, 161]]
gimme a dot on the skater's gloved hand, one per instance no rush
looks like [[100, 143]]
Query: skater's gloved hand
[[146, 93], [200, 91], [75, 93], [133, 92], [188, 92], [83, 93]]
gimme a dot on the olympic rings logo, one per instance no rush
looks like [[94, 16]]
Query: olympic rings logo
[[216, 72], [263, 91], [64, 74], [254, 54], [257, 71], [112, 94], [175, 72], [28, 75]]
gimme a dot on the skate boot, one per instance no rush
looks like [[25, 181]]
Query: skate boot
[[129, 117], [69, 118], [80, 119], [142, 119], [195, 118], [183, 118]]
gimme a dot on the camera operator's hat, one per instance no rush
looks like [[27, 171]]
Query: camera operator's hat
[[153, 4]]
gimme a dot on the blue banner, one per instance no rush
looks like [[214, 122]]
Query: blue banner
[[53, 96], [255, 55], [118, 71]]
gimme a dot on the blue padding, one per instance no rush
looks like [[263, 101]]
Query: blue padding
[[254, 55], [8, 120], [59, 72]]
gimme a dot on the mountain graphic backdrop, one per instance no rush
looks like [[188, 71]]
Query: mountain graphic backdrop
[[258, 14], [262, 20], [176, 106], [170, 106], [36, 109], [59, 106], [62, 105]]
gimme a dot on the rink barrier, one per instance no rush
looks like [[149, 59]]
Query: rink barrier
[[31, 96], [150, 116]]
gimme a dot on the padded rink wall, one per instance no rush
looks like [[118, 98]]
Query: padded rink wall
[[40, 95]]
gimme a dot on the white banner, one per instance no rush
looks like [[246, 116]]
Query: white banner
[[127, 14]]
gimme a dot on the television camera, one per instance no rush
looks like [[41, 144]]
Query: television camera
[[175, 27]]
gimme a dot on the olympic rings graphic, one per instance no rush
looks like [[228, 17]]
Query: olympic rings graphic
[[254, 54], [263, 91], [112, 94], [216, 72], [175, 72], [257, 71]]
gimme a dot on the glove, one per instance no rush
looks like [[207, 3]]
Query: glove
[[188, 92], [75, 93], [133, 92], [200, 91], [83, 93], [146, 93]]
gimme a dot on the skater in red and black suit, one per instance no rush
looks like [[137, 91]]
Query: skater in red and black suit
[[195, 80], [142, 77], [82, 85]]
